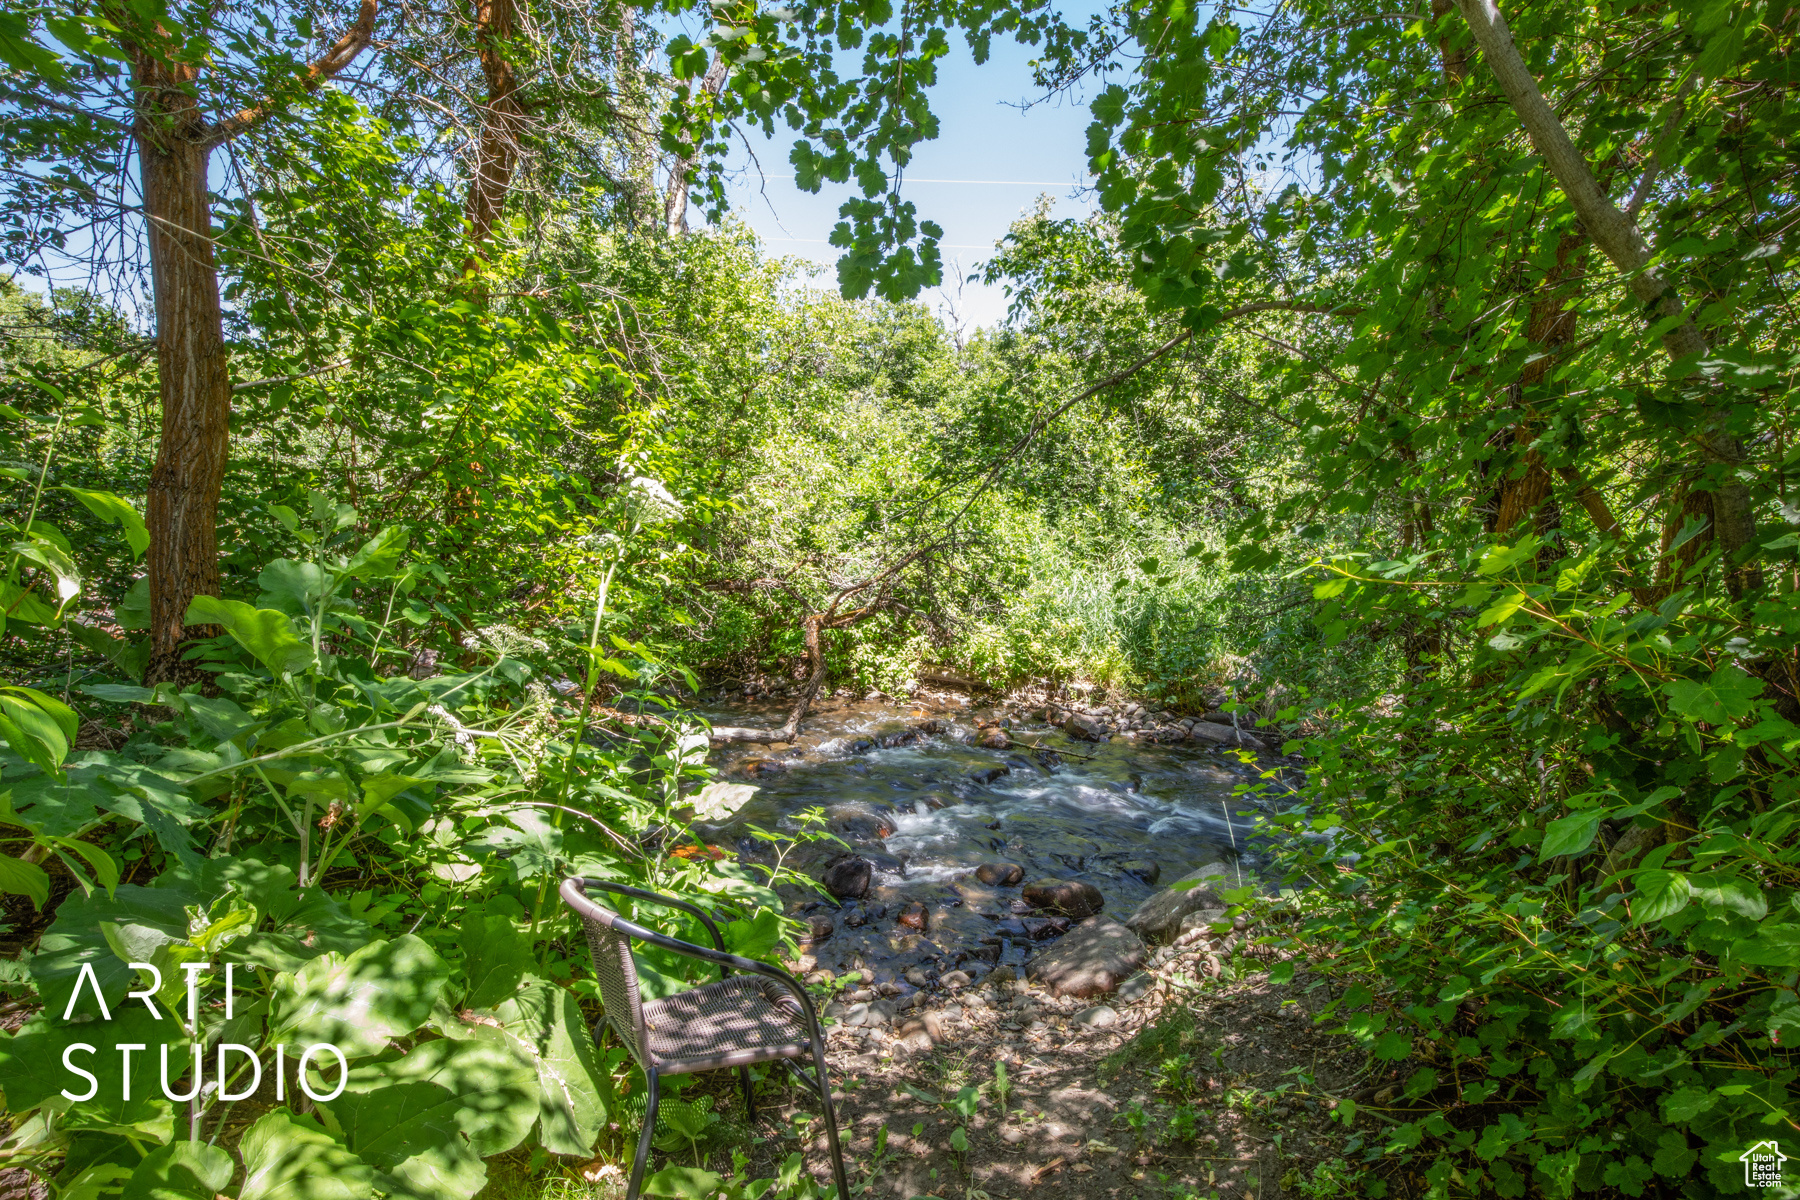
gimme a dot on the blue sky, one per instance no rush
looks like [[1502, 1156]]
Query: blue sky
[[999, 157]]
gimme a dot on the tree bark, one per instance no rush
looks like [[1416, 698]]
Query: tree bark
[[1618, 237], [503, 121], [193, 372], [676, 204], [175, 143]]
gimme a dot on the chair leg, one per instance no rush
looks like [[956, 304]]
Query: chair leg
[[749, 1094], [831, 1129], [643, 1149]]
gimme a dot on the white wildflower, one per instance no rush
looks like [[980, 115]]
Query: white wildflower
[[649, 502]]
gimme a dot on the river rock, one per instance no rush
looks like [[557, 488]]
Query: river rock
[[762, 768], [916, 917], [995, 738], [1225, 735], [1000, 874], [954, 979], [989, 775], [1159, 918], [860, 821], [1040, 928], [1091, 960], [848, 877], [917, 977], [1070, 897], [1142, 869], [818, 928], [1098, 1017], [1084, 728]]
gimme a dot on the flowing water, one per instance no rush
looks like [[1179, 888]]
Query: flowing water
[[908, 790]]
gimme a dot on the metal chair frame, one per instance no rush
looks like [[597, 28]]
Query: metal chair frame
[[574, 894]]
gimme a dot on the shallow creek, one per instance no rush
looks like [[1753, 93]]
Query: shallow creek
[[909, 790]]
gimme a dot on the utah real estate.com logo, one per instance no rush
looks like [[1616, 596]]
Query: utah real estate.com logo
[[1762, 1164]]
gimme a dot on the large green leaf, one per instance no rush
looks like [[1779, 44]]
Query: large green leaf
[[1723, 696], [427, 1120], [266, 633], [543, 1025], [46, 804], [360, 1001], [495, 958], [292, 587], [77, 937], [1571, 834], [24, 879], [109, 507], [180, 1171], [289, 1159], [494, 1089], [408, 1132], [33, 1074]]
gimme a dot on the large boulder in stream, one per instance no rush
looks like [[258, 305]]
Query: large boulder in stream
[[1225, 735], [1092, 959], [860, 821], [848, 877], [1084, 728], [1000, 874], [1159, 918], [1070, 897]]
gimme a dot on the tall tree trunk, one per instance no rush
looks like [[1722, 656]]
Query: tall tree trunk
[[193, 373], [503, 121], [680, 172], [175, 143]]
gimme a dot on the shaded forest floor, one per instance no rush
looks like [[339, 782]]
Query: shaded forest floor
[[1197, 1089]]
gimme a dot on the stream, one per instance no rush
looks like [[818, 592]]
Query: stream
[[909, 790]]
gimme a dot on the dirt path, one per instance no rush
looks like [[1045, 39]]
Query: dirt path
[[1181, 1086]]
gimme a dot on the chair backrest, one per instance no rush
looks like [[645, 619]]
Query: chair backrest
[[613, 967]]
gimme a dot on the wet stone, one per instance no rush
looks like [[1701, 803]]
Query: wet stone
[[848, 877], [954, 979], [915, 916], [994, 739], [1070, 897], [1040, 928], [1000, 874], [989, 775], [1092, 959], [1142, 869]]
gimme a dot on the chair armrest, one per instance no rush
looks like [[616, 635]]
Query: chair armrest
[[658, 899], [721, 957]]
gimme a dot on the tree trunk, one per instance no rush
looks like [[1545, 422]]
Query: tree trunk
[[676, 205], [503, 121], [193, 372]]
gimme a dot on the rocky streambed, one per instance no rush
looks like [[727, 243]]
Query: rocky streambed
[[987, 846]]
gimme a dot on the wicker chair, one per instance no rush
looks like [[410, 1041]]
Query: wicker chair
[[761, 1015]]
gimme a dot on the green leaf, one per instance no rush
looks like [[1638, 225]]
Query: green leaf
[[687, 1183], [157, 914], [109, 507], [1721, 698], [542, 1024], [1684, 1104], [24, 879], [1571, 834], [361, 1001], [1721, 889], [493, 1093], [1660, 894], [180, 1171], [409, 1133], [495, 958], [286, 1158], [31, 1064], [266, 633]]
